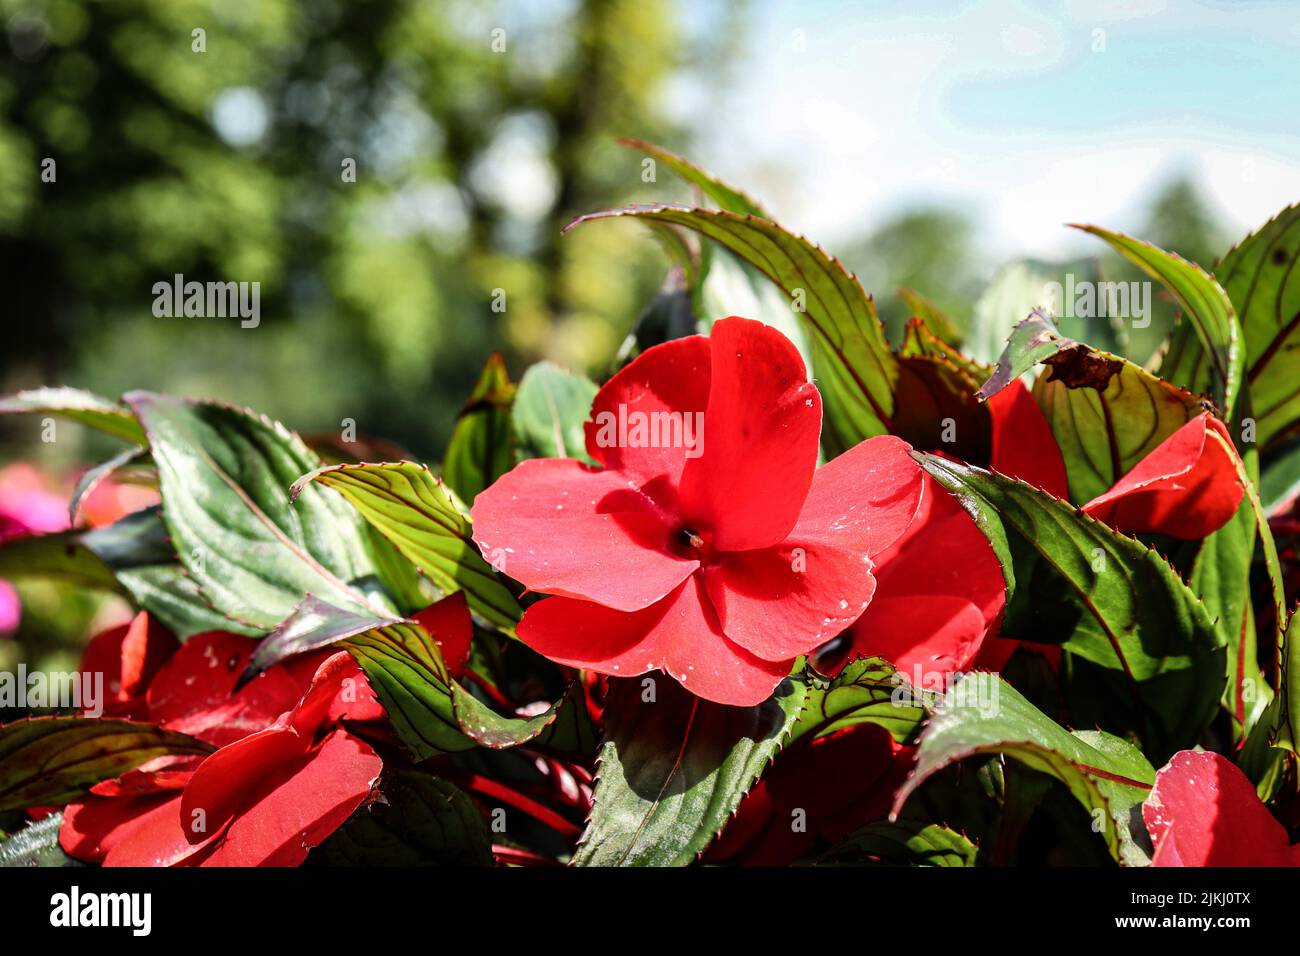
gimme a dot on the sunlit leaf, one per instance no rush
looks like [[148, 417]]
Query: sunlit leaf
[[414, 511], [674, 769]]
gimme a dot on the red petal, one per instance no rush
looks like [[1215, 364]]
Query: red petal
[[159, 775], [1186, 487], [778, 604], [199, 675], [933, 635], [449, 623], [939, 591], [560, 527], [1204, 812], [672, 377], [1023, 446], [146, 646], [221, 783], [862, 502], [678, 635], [117, 831], [192, 691], [103, 655], [129, 657], [781, 602], [299, 804], [759, 446], [334, 694]]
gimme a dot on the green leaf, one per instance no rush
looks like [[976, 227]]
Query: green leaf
[[420, 820], [1280, 481], [140, 554], [91, 478], [1031, 341], [1206, 307], [413, 682], [36, 844], [1134, 631], [402, 581], [852, 363], [573, 731], [482, 449], [1283, 713], [80, 406], [1261, 278], [550, 408], [415, 512], [168, 593], [132, 557], [496, 731], [405, 669], [672, 771], [431, 712], [867, 691], [918, 339], [51, 760], [902, 842], [312, 625], [1106, 423], [60, 557], [1288, 711], [1285, 717], [938, 323], [225, 475], [1221, 576], [727, 197], [984, 715]]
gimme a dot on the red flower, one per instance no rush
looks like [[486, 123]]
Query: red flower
[[287, 773], [1204, 812], [717, 554], [941, 591]]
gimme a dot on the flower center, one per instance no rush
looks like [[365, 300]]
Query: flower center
[[691, 538]]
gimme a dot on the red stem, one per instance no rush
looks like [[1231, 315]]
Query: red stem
[[504, 794], [511, 854]]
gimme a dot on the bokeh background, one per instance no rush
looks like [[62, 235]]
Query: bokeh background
[[939, 146]]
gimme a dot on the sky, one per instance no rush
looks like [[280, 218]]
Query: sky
[[1028, 115]]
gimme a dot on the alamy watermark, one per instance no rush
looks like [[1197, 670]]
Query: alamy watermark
[[1085, 299], [53, 690], [633, 428], [209, 300], [922, 687], [76, 908]]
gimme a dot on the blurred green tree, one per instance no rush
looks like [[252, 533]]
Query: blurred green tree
[[393, 173], [930, 249]]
